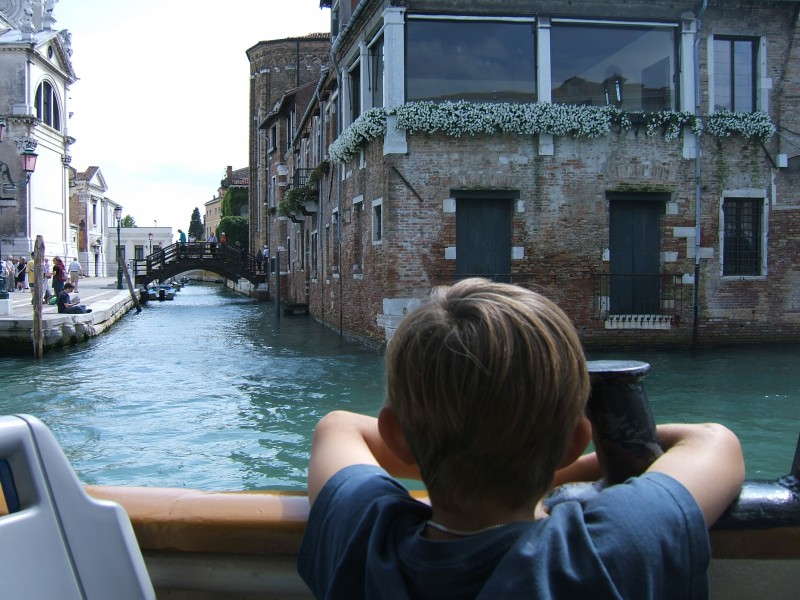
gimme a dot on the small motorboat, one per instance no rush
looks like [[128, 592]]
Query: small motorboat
[[162, 291]]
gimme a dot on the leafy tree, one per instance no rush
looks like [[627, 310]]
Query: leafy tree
[[196, 225], [235, 202], [237, 228], [127, 221]]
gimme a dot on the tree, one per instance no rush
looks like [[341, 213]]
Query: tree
[[235, 202], [238, 230], [127, 221], [196, 225]]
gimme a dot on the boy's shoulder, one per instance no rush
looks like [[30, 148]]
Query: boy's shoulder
[[636, 536]]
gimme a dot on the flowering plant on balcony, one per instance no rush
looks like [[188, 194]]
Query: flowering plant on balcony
[[370, 125], [295, 198], [472, 118], [724, 123]]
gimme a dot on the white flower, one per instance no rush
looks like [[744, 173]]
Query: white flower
[[472, 118]]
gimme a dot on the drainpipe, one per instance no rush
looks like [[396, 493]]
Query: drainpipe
[[698, 173]]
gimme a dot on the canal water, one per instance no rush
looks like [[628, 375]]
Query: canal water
[[212, 391]]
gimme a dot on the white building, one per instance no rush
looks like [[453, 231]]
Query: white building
[[36, 72]]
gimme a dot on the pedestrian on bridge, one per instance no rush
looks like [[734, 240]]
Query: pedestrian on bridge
[[181, 243], [212, 243]]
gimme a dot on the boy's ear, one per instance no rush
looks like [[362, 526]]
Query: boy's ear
[[577, 442], [393, 436]]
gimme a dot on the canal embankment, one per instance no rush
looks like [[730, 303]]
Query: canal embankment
[[108, 305]]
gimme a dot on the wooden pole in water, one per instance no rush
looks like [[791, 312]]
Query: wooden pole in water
[[36, 294], [131, 290]]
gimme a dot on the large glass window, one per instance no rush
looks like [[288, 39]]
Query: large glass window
[[742, 239], [355, 92], [734, 74], [376, 72], [480, 61], [632, 67], [47, 106]]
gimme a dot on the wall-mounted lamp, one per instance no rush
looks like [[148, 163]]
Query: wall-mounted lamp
[[26, 148]]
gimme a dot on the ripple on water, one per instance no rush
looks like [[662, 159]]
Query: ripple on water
[[211, 391]]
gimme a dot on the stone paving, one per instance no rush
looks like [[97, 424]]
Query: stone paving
[[98, 293]]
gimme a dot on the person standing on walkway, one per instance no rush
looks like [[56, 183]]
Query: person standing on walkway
[[59, 275], [75, 272], [212, 243], [21, 265]]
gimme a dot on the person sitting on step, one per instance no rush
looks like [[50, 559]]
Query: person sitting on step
[[66, 304]]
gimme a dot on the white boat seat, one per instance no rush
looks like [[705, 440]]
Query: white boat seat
[[55, 540]]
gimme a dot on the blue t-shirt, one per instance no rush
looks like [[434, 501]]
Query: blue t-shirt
[[642, 539]]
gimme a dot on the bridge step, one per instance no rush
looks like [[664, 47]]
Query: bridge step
[[295, 309]]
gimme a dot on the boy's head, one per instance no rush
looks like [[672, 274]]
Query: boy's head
[[487, 382]]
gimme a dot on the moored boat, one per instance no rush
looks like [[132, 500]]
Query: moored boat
[[162, 291]]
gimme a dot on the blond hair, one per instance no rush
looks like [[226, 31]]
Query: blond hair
[[487, 381]]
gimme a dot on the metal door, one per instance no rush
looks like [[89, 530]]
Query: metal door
[[483, 238], [634, 232]]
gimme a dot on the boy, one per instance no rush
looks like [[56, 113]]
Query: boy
[[68, 305], [487, 385]]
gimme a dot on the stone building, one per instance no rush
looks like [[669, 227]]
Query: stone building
[[635, 162], [276, 66], [36, 73]]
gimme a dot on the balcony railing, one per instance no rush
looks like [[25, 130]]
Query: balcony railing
[[300, 177], [637, 294]]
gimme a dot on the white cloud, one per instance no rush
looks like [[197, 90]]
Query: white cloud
[[162, 101]]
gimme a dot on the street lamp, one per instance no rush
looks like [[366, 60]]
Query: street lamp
[[150, 237], [118, 217]]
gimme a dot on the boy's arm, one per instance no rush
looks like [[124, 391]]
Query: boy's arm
[[707, 460], [342, 439]]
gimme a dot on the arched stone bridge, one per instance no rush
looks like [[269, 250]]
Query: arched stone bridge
[[171, 261]]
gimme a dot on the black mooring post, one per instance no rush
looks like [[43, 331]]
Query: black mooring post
[[624, 432]]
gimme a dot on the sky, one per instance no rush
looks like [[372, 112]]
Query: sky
[[161, 104]]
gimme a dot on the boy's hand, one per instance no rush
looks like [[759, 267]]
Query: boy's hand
[[707, 460]]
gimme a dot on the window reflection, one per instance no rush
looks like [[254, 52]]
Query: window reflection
[[631, 67], [470, 60]]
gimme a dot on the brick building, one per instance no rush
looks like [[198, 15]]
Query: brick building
[[636, 162]]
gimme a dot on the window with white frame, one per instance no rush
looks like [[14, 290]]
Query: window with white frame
[[358, 236], [630, 66], [273, 138], [46, 105], [735, 73], [475, 59], [742, 236], [377, 221], [334, 247], [354, 91], [314, 255]]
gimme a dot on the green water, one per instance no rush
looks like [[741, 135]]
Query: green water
[[211, 391]]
